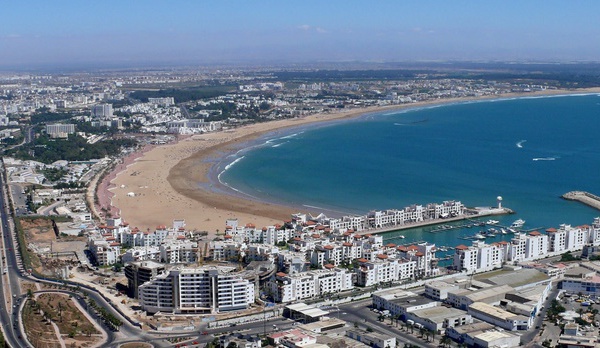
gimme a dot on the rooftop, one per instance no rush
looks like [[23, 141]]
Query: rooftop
[[493, 335], [438, 314], [513, 278], [495, 311]]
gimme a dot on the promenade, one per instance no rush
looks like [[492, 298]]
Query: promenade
[[583, 197], [473, 213]]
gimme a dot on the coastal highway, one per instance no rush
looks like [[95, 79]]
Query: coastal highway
[[8, 305]]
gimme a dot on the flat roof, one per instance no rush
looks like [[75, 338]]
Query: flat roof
[[298, 306], [480, 326], [489, 336], [438, 314], [495, 311], [390, 294], [375, 334], [415, 300], [307, 310], [579, 272], [531, 293], [593, 265], [483, 294], [514, 278], [440, 284], [322, 324]]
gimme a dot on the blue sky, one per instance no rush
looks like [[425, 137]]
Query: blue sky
[[81, 32]]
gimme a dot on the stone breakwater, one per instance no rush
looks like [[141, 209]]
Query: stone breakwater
[[583, 197]]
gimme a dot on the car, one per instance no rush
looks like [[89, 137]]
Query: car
[[205, 333]]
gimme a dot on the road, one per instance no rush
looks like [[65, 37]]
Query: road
[[531, 334], [358, 312], [11, 334]]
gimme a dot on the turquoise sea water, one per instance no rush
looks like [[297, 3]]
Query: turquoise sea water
[[529, 151]]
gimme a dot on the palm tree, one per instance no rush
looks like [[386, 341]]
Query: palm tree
[[397, 317], [421, 332], [427, 333], [445, 341]]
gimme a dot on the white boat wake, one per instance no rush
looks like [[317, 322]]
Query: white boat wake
[[520, 144], [544, 159]]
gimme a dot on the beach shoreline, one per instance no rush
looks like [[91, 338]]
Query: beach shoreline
[[180, 180]]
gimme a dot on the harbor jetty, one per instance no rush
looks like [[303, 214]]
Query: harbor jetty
[[583, 197], [469, 214], [413, 216]]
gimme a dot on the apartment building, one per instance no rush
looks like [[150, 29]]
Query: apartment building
[[196, 290], [294, 287], [105, 250], [60, 130], [138, 273], [384, 270]]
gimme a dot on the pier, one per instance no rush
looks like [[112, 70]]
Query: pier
[[586, 198], [472, 213]]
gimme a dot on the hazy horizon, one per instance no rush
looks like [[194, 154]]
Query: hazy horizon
[[142, 33]]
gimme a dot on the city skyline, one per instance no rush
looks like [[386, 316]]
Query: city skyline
[[69, 33]]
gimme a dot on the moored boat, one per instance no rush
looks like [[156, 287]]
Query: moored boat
[[518, 223]]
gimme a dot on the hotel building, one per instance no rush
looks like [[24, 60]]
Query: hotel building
[[196, 291]]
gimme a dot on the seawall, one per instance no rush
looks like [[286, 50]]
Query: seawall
[[473, 213], [583, 197]]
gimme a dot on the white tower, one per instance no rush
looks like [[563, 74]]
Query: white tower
[[499, 199]]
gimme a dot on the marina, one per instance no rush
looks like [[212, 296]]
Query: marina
[[470, 215]]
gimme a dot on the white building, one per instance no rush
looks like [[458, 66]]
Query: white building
[[60, 130], [195, 291], [102, 111], [105, 250], [499, 317], [384, 270], [294, 287], [528, 247]]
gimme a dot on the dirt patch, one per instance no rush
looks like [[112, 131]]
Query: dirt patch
[[48, 253], [42, 314], [27, 286], [38, 230]]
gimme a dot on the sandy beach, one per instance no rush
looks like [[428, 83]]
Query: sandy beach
[[173, 181]]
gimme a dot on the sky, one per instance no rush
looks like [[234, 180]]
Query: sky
[[129, 32]]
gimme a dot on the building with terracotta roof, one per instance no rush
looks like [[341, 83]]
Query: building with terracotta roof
[[104, 252], [524, 247], [293, 287], [292, 338], [480, 257], [325, 253], [371, 273], [136, 254], [180, 250], [567, 238], [424, 256]]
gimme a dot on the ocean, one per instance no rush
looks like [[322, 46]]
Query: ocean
[[527, 150]]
